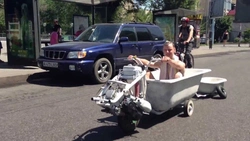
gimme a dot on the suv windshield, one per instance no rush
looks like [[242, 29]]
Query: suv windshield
[[99, 33]]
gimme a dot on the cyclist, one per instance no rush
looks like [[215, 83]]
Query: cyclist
[[186, 37]]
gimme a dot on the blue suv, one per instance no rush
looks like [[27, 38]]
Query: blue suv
[[102, 49]]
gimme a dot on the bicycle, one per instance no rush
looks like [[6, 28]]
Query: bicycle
[[181, 54]]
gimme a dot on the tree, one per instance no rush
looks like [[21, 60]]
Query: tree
[[51, 9], [2, 17], [127, 12], [246, 36], [63, 11], [222, 24], [171, 4], [174, 4]]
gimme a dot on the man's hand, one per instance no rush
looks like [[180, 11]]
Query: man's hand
[[130, 57], [185, 42], [165, 59]]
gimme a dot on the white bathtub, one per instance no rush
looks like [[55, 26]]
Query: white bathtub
[[166, 94], [208, 84]]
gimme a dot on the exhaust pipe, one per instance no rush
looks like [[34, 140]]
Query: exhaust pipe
[[95, 98]]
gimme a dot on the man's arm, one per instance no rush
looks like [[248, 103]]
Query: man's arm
[[60, 31], [180, 35], [180, 32], [174, 63], [177, 64], [191, 32], [145, 62]]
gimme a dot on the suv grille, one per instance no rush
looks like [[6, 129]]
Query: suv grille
[[53, 54]]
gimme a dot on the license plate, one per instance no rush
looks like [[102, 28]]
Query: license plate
[[50, 64]]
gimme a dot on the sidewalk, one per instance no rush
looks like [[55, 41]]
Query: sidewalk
[[8, 71], [19, 73]]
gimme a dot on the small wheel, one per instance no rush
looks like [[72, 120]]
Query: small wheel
[[102, 70], [189, 108], [221, 91], [127, 124]]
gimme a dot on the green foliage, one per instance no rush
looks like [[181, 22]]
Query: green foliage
[[2, 18], [127, 15], [2, 21], [203, 27], [122, 15], [171, 4], [247, 35], [222, 24], [174, 4], [144, 16], [63, 11]]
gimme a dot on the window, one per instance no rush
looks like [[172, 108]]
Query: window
[[143, 34], [156, 33], [128, 32], [99, 33]]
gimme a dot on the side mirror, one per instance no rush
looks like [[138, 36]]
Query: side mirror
[[123, 39]]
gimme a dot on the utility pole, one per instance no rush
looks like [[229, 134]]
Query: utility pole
[[212, 25]]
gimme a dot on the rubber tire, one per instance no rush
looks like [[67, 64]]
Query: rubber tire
[[221, 92], [187, 105], [126, 124], [96, 65], [157, 55], [192, 59]]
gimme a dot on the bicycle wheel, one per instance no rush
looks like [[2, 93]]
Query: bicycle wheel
[[192, 60]]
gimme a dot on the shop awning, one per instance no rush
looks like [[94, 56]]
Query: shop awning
[[88, 2], [179, 12]]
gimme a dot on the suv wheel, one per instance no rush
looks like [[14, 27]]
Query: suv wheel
[[102, 70]]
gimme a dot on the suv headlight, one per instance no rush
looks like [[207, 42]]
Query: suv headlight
[[41, 52], [76, 54]]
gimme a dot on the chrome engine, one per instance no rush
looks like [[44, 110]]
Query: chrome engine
[[117, 97]]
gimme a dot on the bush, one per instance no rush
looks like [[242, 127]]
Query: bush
[[247, 36], [236, 40]]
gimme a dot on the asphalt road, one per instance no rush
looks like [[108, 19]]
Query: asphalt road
[[53, 110]]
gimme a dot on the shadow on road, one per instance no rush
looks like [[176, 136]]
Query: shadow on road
[[152, 120], [59, 80], [147, 121], [215, 97], [111, 131], [103, 133]]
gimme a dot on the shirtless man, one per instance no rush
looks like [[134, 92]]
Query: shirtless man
[[170, 66]]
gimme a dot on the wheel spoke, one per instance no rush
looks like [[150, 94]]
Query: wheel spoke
[[99, 71], [105, 66], [106, 72], [102, 76], [101, 66]]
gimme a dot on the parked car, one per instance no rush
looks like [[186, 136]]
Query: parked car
[[203, 40], [102, 49]]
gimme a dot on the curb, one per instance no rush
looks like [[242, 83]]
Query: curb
[[11, 81], [219, 53]]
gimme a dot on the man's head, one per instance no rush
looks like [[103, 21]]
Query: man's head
[[81, 27], [184, 21], [55, 21], [168, 49]]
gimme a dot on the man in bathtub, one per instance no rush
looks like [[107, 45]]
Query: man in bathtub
[[170, 66]]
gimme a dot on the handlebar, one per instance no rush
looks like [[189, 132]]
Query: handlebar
[[153, 59]]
